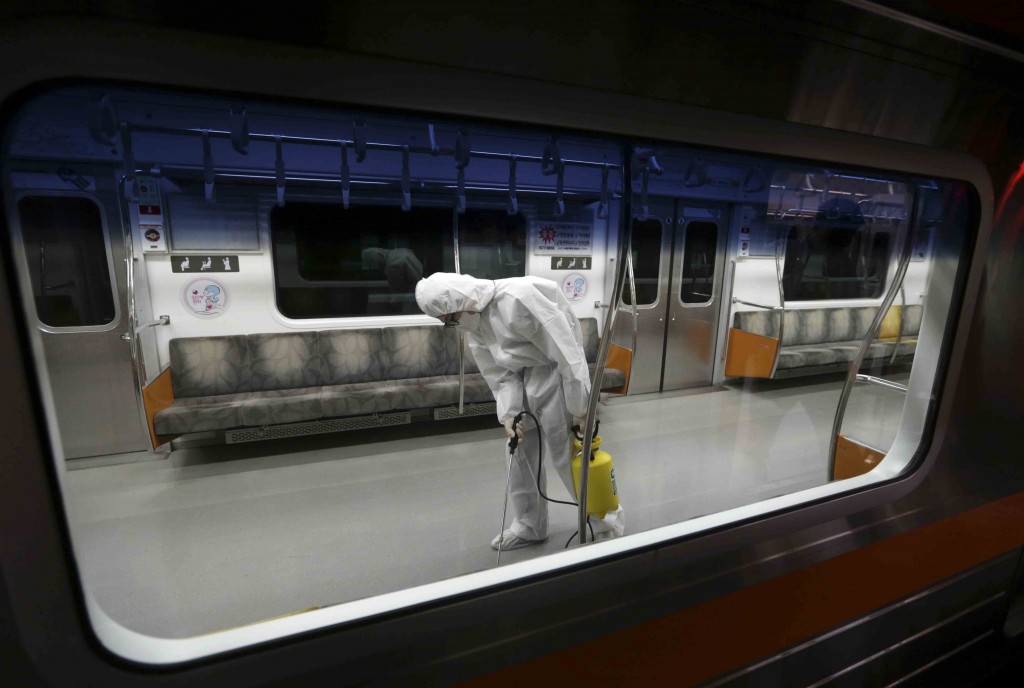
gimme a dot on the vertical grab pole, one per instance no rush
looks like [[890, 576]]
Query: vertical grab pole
[[851, 377], [626, 224], [462, 371]]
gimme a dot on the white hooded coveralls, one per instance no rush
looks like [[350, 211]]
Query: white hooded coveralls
[[529, 348]]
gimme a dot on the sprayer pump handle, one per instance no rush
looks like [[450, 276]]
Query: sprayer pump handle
[[578, 431]]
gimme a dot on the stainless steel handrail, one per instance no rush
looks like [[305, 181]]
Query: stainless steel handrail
[[162, 320], [129, 260], [632, 292], [626, 216], [869, 337], [881, 382], [462, 336], [756, 305], [462, 371]]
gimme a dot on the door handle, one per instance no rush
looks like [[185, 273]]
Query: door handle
[[598, 304], [126, 336]]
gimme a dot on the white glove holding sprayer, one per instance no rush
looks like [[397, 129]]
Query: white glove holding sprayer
[[511, 432]]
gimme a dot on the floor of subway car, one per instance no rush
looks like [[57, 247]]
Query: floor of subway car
[[219, 536]]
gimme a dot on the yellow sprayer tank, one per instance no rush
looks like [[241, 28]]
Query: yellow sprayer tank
[[602, 493]]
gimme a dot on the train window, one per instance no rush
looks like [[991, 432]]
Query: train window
[[699, 253], [330, 262], [492, 243], [646, 249], [227, 225], [67, 259], [837, 230], [296, 399]]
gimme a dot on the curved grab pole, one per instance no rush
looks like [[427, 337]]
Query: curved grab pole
[[632, 292], [626, 218], [779, 248], [899, 335], [876, 324]]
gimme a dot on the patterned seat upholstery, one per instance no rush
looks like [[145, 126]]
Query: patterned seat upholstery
[[287, 377], [824, 336]]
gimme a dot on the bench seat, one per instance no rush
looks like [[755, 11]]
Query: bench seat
[[816, 338], [274, 378]]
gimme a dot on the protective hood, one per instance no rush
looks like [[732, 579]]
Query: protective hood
[[449, 292]]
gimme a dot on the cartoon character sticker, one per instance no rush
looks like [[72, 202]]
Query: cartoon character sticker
[[205, 298], [574, 286]]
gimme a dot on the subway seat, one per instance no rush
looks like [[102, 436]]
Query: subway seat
[[815, 337], [289, 377]]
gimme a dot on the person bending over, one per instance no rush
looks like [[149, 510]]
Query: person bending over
[[528, 345]]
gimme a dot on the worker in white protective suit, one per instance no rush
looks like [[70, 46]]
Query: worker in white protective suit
[[528, 345]]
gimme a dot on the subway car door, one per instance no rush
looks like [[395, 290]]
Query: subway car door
[[68, 227], [694, 296], [652, 256]]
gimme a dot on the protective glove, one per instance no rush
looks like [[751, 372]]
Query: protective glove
[[509, 432]]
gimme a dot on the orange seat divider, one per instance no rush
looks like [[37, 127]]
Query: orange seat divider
[[890, 329], [853, 458], [749, 355], [620, 358], [157, 396]]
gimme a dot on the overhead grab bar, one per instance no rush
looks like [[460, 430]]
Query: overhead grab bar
[[239, 131], [407, 199], [357, 144], [209, 176], [513, 202], [279, 170]]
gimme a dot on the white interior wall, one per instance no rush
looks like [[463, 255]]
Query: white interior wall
[[251, 296]]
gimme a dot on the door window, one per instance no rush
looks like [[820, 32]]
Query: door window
[[646, 262], [698, 281], [67, 261]]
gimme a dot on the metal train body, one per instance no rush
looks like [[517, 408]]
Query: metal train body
[[892, 577]]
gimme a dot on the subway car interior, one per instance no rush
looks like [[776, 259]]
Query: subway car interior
[[255, 437]]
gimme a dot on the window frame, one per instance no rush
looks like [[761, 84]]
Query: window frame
[[536, 106]]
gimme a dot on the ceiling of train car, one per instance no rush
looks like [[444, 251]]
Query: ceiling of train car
[[829, 64]]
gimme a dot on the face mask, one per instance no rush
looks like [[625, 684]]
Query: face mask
[[468, 322]]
